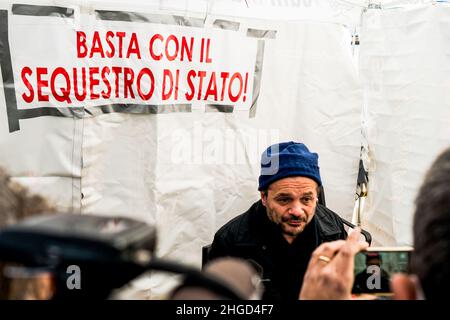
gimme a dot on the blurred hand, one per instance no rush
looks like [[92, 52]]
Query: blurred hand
[[330, 270], [406, 287]]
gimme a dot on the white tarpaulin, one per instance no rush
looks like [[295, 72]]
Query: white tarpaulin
[[180, 151], [405, 69]]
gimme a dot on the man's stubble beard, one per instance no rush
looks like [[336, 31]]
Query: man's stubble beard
[[282, 224]]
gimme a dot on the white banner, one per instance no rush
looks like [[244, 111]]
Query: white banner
[[123, 62]]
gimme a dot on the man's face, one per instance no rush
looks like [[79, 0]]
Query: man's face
[[291, 203]]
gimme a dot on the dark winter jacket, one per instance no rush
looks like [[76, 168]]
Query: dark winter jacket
[[253, 236]]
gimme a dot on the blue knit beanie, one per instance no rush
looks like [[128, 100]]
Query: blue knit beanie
[[288, 159]]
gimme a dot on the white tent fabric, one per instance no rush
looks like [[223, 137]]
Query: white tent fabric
[[187, 173], [45, 156], [405, 71]]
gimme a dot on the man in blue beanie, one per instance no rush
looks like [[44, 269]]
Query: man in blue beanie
[[279, 232]]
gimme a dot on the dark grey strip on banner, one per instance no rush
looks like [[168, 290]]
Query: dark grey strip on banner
[[262, 34], [50, 111], [139, 108], [152, 18], [42, 11], [257, 78], [219, 108], [77, 164], [80, 112], [7, 74], [227, 25]]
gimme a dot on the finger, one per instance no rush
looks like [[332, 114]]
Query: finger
[[355, 234], [354, 239], [403, 287], [327, 249], [344, 260]]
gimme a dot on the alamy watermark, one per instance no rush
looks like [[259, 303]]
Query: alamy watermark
[[209, 145], [73, 281], [373, 282]]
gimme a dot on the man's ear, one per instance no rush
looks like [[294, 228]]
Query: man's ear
[[263, 197], [404, 287]]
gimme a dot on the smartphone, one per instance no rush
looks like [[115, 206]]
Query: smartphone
[[375, 266]]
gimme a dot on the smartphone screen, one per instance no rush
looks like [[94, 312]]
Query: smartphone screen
[[374, 268]]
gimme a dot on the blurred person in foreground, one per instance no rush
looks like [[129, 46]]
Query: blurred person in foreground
[[16, 204], [237, 274], [332, 276]]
